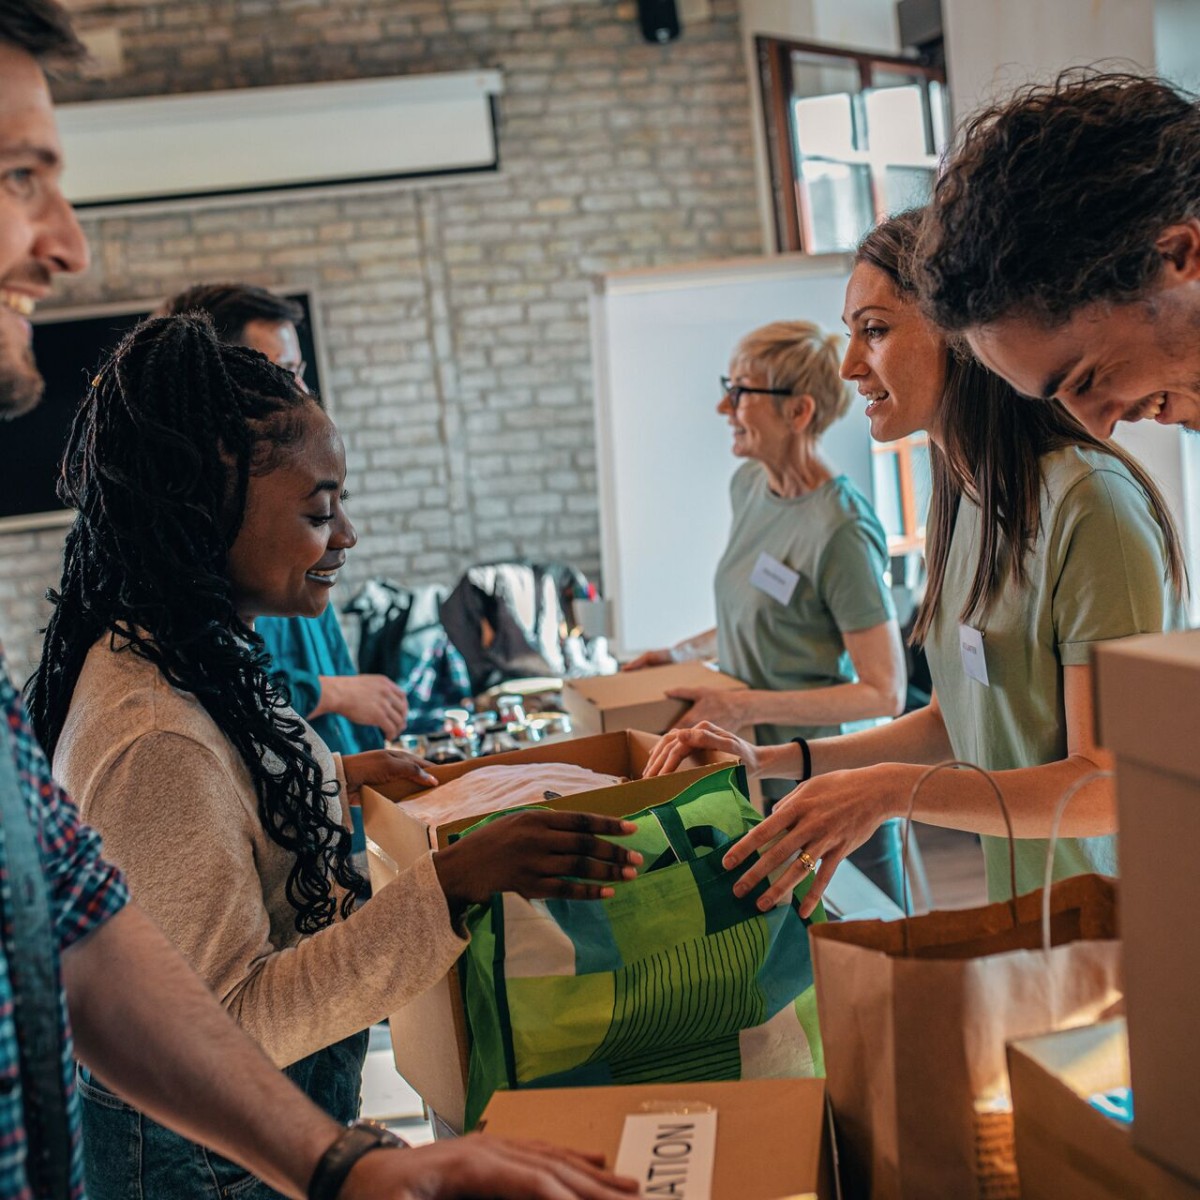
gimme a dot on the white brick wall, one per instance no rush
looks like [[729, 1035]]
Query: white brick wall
[[454, 317]]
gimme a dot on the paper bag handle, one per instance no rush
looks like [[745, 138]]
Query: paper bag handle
[[1059, 811], [908, 819]]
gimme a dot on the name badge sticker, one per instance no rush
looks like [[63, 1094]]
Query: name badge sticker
[[771, 576], [669, 1154], [970, 649]]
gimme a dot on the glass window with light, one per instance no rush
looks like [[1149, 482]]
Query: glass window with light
[[851, 137]]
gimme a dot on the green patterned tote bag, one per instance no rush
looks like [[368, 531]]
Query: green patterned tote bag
[[673, 979]]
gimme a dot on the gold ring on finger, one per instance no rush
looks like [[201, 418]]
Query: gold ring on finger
[[806, 860]]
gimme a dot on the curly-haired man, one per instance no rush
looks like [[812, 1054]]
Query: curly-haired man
[[1064, 242]]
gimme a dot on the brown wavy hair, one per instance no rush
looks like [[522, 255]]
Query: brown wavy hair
[[993, 441], [42, 29], [1055, 199]]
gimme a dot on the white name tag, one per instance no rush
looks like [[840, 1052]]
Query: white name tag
[[970, 648], [772, 577], [669, 1154]]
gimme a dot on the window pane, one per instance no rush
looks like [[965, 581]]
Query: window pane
[[839, 204], [907, 187], [885, 469], [818, 75], [896, 123], [825, 126], [922, 483], [939, 111]]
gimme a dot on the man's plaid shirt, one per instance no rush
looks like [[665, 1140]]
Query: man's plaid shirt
[[84, 891]]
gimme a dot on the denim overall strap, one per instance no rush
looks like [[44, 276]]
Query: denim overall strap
[[32, 968]]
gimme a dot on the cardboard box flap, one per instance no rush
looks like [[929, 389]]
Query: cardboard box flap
[[1085, 1061], [1147, 697], [625, 752], [637, 687]]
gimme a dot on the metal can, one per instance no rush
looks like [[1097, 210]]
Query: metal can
[[510, 709]]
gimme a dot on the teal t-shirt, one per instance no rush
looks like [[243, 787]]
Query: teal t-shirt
[[1097, 572], [832, 539]]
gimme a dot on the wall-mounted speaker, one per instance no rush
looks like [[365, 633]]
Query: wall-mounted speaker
[[659, 20]]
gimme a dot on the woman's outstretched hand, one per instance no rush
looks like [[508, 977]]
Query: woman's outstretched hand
[[823, 820], [378, 768], [675, 746], [539, 854]]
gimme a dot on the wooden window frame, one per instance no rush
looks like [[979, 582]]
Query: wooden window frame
[[912, 522], [789, 203]]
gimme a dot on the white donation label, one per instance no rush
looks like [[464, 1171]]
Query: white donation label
[[970, 647], [772, 577], [669, 1154]]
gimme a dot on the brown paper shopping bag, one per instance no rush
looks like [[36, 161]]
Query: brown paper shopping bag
[[915, 1015]]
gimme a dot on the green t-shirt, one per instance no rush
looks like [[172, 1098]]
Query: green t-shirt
[[834, 542], [1096, 572]]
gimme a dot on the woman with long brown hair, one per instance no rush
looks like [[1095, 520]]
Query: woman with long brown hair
[[1042, 540]]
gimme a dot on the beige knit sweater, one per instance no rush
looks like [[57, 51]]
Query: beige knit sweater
[[178, 812]]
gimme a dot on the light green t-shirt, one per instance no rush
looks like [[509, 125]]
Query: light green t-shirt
[[834, 542], [1096, 572]]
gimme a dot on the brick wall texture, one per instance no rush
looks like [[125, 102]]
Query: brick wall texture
[[454, 316]]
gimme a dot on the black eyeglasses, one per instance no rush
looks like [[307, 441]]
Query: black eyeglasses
[[735, 391]]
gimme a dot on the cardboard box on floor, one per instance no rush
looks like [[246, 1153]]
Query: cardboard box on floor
[[771, 1139], [1066, 1149], [429, 1036], [637, 699], [1148, 710]]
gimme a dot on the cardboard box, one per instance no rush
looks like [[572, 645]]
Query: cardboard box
[[770, 1145], [1066, 1149], [1148, 710], [429, 1036], [637, 699]]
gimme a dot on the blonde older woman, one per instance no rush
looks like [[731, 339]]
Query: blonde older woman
[[804, 615]]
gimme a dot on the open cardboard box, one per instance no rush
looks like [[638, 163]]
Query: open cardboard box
[[1148, 712], [429, 1035], [637, 699], [771, 1143], [1066, 1149]]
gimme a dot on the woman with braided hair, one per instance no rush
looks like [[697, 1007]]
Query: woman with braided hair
[[208, 489]]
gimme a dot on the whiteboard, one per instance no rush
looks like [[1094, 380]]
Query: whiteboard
[[661, 339]]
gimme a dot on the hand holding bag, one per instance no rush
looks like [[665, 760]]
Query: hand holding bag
[[673, 979], [915, 1015]]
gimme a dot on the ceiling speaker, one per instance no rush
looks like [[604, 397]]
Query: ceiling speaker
[[659, 20]]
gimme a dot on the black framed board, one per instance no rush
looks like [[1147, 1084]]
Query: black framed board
[[69, 345]]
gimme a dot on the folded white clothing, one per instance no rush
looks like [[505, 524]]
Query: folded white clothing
[[493, 789]]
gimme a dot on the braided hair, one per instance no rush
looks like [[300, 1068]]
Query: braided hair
[[157, 468]]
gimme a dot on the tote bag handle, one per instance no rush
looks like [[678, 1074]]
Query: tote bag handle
[[683, 841], [908, 819]]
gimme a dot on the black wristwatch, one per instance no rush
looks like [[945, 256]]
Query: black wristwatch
[[357, 1139]]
